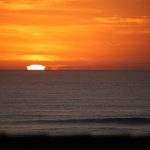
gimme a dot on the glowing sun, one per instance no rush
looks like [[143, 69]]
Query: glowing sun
[[36, 67]]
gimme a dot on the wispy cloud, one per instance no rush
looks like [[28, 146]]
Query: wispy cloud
[[123, 20]]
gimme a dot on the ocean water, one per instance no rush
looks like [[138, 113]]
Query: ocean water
[[75, 102]]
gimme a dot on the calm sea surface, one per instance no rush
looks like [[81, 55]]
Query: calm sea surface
[[75, 102]]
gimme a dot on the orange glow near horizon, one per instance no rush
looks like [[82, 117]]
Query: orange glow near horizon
[[75, 34]]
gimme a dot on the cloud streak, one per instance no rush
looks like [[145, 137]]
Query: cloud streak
[[123, 20]]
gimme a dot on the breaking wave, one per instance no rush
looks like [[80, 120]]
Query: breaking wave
[[86, 121]]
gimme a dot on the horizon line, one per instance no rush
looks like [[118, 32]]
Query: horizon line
[[76, 70]]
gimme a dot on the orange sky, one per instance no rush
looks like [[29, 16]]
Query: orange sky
[[75, 34]]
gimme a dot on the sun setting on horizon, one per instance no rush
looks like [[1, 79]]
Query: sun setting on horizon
[[75, 34], [74, 67], [36, 67]]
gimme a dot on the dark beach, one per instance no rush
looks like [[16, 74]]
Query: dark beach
[[78, 141]]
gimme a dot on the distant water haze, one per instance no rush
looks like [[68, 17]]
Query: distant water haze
[[75, 102]]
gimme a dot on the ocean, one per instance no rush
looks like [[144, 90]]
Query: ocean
[[75, 102]]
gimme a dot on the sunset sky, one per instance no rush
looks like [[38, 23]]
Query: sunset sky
[[75, 34]]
